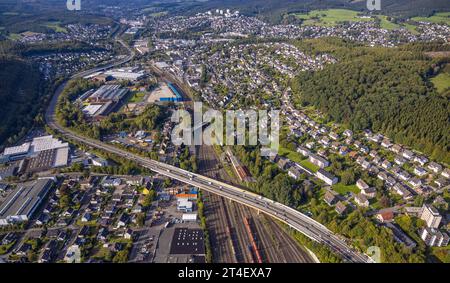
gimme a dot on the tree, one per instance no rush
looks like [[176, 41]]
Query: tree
[[167, 183], [149, 198], [385, 201], [121, 256], [348, 177]]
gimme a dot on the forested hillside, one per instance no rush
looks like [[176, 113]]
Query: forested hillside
[[20, 90], [273, 10], [387, 90]]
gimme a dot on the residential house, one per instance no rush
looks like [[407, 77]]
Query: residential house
[[319, 161], [402, 191], [348, 133], [86, 217], [419, 171], [415, 182], [330, 197], [386, 143], [396, 148], [399, 160], [386, 164], [441, 182], [343, 150], [385, 216], [369, 193], [421, 159], [361, 200], [361, 184], [294, 173], [446, 173], [434, 238], [435, 167], [408, 154], [303, 151], [284, 163], [327, 177], [340, 208]]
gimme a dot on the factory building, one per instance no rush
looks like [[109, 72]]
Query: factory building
[[102, 101], [108, 93], [33, 148], [21, 204], [128, 74]]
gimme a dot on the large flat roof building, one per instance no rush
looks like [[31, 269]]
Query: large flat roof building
[[17, 152], [21, 203], [108, 93], [48, 159], [46, 143], [131, 74], [34, 147]]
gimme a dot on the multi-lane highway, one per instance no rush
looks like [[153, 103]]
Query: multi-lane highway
[[292, 217]]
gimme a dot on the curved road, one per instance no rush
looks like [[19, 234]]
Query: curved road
[[292, 217]]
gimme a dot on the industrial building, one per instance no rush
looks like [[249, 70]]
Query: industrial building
[[108, 93], [48, 159], [189, 217], [98, 109], [129, 74], [102, 101], [184, 205], [21, 203], [34, 149]]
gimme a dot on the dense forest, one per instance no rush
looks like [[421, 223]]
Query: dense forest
[[385, 89], [21, 91]]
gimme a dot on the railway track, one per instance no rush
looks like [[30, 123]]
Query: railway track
[[216, 227], [228, 231]]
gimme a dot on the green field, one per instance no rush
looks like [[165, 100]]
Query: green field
[[56, 26], [334, 16], [436, 18], [386, 24], [292, 155], [411, 28], [158, 14], [441, 82], [309, 165], [343, 189], [14, 36], [442, 253], [136, 97], [330, 17]]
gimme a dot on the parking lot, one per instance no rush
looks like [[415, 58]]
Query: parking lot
[[153, 242]]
